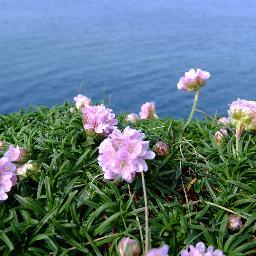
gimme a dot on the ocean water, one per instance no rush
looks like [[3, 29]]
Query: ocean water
[[134, 51]]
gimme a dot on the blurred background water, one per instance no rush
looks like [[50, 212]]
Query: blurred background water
[[133, 50]]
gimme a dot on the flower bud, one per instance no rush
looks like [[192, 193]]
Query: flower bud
[[128, 247], [2, 144], [72, 110], [132, 118], [161, 148], [219, 135], [27, 169], [234, 222]]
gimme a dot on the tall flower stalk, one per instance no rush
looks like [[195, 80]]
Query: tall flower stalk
[[192, 81], [192, 110], [238, 135], [146, 213]]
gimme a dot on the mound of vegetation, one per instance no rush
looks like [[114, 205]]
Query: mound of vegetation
[[68, 208]]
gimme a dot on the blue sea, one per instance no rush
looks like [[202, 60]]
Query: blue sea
[[129, 51]]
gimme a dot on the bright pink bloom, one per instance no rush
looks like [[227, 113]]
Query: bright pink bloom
[[201, 250], [132, 118], [162, 251], [16, 154], [7, 177], [193, 80], [98, 119], [243, 113], [148, 111], [82, 101], [122, 155]]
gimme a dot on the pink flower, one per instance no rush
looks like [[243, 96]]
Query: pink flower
[[23, 170], [193, 80], [7, 177], [243, 113], [128, 247], [122, 155], [224, 120], [16, 154], [98, 119], [162, 251], [148, 111], [201, 250], [82, 101], [132, 118]]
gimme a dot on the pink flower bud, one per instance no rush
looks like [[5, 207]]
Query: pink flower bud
[[234, 222], [2, 144], [161, 148], [219, 135], [128, 247]]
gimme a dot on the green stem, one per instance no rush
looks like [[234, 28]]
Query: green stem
[[146, 213], [192, 110]]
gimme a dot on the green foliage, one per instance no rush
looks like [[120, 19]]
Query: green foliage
[[67, 208]]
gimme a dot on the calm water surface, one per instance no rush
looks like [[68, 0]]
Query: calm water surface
[[133, 50]]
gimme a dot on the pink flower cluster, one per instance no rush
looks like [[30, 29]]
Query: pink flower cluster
[[193, 80], [243, 113], [162, 251], [8, 169], [201, 250], [98, 119], [82, 101], [122, 155], [16, 154], [7, 177], [148, 111]]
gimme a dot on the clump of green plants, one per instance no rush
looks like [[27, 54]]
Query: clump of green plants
[[87, 182]]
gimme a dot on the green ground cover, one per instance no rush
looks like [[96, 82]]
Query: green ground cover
[[67, 208]]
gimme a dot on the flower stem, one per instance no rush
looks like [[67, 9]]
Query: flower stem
[[238, 135], [146, 213], [192, 110]]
